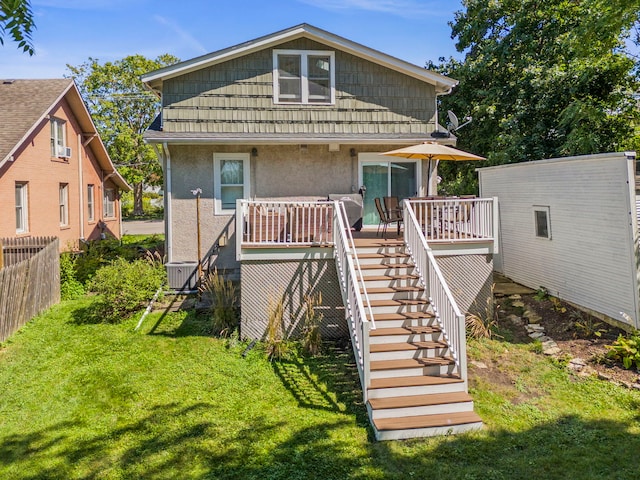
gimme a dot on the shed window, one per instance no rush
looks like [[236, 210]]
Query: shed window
[[231, 180], [303, 76], [58, 138], [109, 203], [542, 220]]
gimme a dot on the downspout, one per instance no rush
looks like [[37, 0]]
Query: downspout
[[167, 203], [430, 175], [81, 187]]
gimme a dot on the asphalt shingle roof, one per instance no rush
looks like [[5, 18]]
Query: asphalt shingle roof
[[22, 104]]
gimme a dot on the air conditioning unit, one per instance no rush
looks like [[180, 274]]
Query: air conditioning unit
[[64, 152]]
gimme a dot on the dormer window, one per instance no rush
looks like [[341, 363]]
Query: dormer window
[[303, 76]]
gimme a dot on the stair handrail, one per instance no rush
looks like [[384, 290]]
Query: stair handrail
[[359, 324], [447, 313], [360, 276]]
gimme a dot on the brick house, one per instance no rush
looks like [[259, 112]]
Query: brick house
[[56, 177]]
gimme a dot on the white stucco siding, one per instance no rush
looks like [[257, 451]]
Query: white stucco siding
[[590, 259]]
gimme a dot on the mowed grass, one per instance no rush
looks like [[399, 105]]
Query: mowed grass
[[101, 401]]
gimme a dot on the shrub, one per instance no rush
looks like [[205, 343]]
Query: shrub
[[482, 325], [276, 345], [70, 287], [626, 350], [224, 308], [125, 287], [311, 335]]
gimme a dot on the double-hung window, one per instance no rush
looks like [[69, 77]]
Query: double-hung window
[[91, 214], [63, 196], [542, 219], [304, 76], [109, 203], [231, 180], [58, 140], [22, 202]]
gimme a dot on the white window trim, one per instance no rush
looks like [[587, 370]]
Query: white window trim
[[304, 54], [91, 203], [63, 198], [24, 207], [217, 190], [547, 210], [106, 201], [60, 146]]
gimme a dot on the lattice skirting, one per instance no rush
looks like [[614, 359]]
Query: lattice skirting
[[470, 279], [265, 281]]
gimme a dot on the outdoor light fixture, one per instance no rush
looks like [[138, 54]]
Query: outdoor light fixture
[[353, 152], [254, 152]]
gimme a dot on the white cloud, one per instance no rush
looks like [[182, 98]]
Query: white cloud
[[189, 39]]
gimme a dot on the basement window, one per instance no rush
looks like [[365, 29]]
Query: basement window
[[542, 219]]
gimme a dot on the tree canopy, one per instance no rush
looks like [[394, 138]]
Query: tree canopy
[[16, 19], [122, 109], [542, 79]]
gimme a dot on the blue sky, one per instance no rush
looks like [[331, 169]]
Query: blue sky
[[70, 31]]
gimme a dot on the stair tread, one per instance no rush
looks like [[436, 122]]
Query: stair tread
[[368, 243], [404, 346], [426, 421], [385, 266], [379, 278], [394, 289], [419, 400], [403, 316], [377, 365], [382, 332], [390, 302], [415, 381], [383, 255]]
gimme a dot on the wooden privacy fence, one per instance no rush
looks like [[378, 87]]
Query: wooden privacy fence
[[29, 280]]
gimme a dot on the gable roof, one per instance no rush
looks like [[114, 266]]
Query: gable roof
[[442, 84], [25, 104]]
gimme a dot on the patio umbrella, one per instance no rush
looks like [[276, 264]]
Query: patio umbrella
[[432, 151]]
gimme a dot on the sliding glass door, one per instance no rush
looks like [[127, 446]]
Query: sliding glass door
[[386, 178]]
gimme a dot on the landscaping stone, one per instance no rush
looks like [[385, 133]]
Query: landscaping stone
[[536, 335], [518, 304], [480, 365], [552, 351], [516, 320], [636, 386], [577, 364], [534, 327], [604, 376], [533, 317], [515, 297]]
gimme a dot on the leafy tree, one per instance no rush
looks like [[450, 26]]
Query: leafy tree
[[16, 19], [122, 109], [541, 79]]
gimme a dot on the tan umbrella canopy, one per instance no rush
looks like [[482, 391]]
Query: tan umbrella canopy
[[432, 151]]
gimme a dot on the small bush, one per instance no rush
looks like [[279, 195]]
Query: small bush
[[125, 287], [70, 287], [626, 350], [311, 335], [276, 345], [482, 326], [224, 308], [587, 327]]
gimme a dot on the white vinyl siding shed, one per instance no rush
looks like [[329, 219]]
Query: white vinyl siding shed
[[591, 258]]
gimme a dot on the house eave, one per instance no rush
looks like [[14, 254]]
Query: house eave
[[442, 83], [299, 140]]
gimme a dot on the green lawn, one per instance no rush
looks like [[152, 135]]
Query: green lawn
[[100, 401]]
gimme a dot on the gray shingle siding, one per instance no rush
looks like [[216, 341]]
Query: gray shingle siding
[[237, 97]]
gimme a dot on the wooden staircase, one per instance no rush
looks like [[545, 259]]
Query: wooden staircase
[[415, 388]]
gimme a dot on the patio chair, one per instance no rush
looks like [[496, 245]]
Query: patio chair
[[386, 218]]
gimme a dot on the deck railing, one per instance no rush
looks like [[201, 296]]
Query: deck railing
[[447, 313], [456, 219], [349, 273], [287, 223]]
